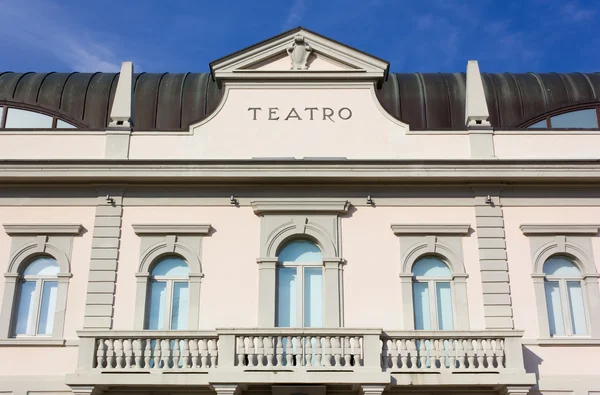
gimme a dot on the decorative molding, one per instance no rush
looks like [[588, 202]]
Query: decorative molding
[[298, 53], [545, 229], [168, 229], [42, 229], [553, 341], [430, 229], [32, 341], [306, 206]]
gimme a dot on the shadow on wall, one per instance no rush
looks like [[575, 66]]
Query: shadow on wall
[[532, 363]]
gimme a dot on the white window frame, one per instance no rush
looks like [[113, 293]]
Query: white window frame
[[37, 302], [300, 287], [170, 281], [433, 305], [565, 305]]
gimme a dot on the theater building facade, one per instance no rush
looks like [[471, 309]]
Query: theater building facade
[[300, 220]]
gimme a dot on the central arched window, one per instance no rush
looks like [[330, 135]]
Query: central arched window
[[564, 297], [168, 296], [432, 294], [37, 294], [300, 285]]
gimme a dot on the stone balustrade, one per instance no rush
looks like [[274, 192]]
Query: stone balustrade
[[308, 349]]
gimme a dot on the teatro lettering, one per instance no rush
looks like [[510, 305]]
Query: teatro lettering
[[293, 114]]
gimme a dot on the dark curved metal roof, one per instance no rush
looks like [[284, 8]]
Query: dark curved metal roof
[[437, 100], [174, 101], [161, 101]]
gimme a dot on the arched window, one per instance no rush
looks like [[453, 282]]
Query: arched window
[[576, 117], [564, 297], [432, 294], [168, 296], [23, 118], [300, 285], [36, 300]]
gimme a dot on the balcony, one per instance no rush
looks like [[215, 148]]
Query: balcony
[[300, 355]]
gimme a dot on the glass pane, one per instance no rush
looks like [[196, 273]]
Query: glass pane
[[555, 314], [286, 297], [64, 125], [25, 312], [180, 306], [16, 118], [48, 307], [561, 266], [431, 266], [300, 251], [313, 297], [1, 111], [576, 119], [539, 125], [577, 308], [44, 266], [171, 267], [156, 310], [444, 306], [421, 304]]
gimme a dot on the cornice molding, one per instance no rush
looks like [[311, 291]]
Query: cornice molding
[[171, 229], [304, 206], [430, 229], [550, 229], [42, 229]]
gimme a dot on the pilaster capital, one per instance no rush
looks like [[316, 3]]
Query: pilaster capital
[[333, 263], [513, 389], [226, 389], [373, 389], [266, 263], [85, 390]]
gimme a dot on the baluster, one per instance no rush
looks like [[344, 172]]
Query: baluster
[[194, 353], [128, 352], [500, 353], [392, 358], [385, 353], [336, 350], [347, 351], [175, 353], [308, 353], [357, 351], [326, 351], [251, 351], [279, 351], [185, 358], [137, 353], [100, 353], [411, 349], [157, 351], [213, 351], [203, 351], [433, 353], [460, 351], [489, 353], [451, 354], [422, 354], [268, 347], [479, 353], [110, 353], [118, 346], [298, 351], [260, 351], [470, 353], [241, 350], [166, 353], [290, 359], [441, 352], [403, 352], [318, 352], [147, 352]]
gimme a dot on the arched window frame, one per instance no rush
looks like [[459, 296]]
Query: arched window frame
[[158, 241], [432, 282], [574, 242], [564, 110], [30, 241], [445, 242], [5, 105]]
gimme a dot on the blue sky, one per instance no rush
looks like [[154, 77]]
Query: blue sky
[[179, 36]]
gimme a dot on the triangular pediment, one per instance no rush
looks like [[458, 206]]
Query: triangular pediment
[[299, 54]]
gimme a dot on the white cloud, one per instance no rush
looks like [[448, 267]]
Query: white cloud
[[573, 12], [295, 14]]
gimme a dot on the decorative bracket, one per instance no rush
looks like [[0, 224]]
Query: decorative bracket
[[298, 53]]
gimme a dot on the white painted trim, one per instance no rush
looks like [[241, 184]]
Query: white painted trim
[[545, 229], [430, 229], [33, 341], [171, 229], [573, 341], [42, 229], [261, 207]]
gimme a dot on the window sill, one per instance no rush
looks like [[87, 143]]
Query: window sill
[[32, 341], [563, 341]]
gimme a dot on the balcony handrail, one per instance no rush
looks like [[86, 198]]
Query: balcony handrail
[[298, 331], [146, 333], [423, 334]]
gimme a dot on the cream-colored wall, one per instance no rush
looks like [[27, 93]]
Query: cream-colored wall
[[14, 359], [568, 145], [51, 145]]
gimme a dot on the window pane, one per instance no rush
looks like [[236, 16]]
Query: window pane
[[300, 251], [431, 266], [555, 314], [45, 266], [156, 310], [576, 119], [444, 306], [25, 312], [561, 266], [539, 125], [48, 308], [180, 306], [171, 267], [286, 297], [421, 304], [313, 297], [577, 308], [64, 125], [16, 118]]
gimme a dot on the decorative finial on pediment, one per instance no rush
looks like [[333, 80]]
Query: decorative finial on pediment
[[298, 53]]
